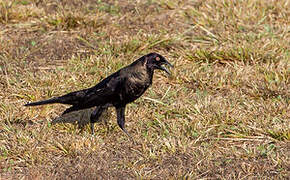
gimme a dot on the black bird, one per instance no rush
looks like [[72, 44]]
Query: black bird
[[118, 89]]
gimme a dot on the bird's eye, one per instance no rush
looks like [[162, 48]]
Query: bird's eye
[[157, 58]]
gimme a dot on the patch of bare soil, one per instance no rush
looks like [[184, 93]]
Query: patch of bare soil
[[53, 46]]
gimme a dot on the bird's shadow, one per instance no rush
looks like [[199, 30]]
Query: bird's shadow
[[81, 117]]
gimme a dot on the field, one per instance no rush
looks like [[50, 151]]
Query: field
[[223, 114]]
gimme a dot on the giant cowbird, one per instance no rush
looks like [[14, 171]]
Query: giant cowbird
[[118, 89]]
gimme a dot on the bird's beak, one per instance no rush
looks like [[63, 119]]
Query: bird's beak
[[164, 68]]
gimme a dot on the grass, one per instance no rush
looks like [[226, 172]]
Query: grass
[[223, 114]]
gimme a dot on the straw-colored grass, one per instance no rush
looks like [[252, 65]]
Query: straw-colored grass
[[223, 114]]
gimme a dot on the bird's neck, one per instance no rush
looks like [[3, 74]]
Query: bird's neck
[[140, 73]]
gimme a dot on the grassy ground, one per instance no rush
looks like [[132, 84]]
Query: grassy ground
[[224, 114]]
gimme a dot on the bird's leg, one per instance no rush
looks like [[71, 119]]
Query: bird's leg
[[121, 120], [95, 116]]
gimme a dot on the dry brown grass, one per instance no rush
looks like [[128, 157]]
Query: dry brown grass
[[224, 114]]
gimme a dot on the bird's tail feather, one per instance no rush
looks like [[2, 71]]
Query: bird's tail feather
[[48, 101]]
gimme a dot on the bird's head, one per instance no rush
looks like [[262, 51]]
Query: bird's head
[[156, 61]]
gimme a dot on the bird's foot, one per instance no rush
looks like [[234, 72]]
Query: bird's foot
[[130, 137]]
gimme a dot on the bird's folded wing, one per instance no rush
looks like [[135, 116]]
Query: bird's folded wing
[[107, 91]]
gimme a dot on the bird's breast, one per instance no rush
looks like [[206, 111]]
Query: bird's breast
[[136, 85]]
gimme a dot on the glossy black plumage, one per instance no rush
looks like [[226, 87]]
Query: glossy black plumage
[[118, 89]]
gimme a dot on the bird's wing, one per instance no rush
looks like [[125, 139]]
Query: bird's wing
[[105, 92]]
